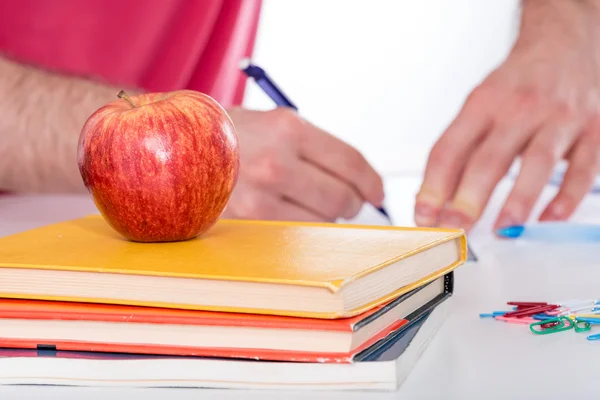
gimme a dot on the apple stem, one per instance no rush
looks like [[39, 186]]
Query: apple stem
[[123, 95]]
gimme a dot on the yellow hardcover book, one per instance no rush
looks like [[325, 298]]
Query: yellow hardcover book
[[317, 270]]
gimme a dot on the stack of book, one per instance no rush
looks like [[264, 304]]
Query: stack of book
[[251, 304]]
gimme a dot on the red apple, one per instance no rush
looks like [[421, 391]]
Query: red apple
[[160, 167]]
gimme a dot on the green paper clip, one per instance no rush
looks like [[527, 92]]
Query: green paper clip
[[582, 326], [564, 324]]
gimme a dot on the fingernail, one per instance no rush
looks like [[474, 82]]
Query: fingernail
[[425, 215], [506, 220], [380, 200], [555, 212], [455, 219], [377, 194]]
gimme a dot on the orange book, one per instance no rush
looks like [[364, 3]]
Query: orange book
[[146, 330], [311, 270]]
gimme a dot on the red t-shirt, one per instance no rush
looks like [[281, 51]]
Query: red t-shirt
[[156, 45]]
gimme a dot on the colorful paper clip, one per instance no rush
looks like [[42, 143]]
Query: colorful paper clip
[[546, 318], [593, 321], [493, 314], [526, 303], [548, 325], [529, 311], [522, 321], [594, 337], [562, 324], [582, 326], [542, 316]]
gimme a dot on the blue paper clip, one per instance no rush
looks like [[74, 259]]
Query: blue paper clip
[[594, 337], [493, 314], [594, 321]]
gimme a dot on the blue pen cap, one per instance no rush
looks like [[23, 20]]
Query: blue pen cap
[[511, 231]]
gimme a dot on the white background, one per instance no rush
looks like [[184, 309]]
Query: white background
[[387, 76]]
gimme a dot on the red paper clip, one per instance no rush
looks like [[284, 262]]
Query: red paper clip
[[526, 312], [526, 303], [549, 324]]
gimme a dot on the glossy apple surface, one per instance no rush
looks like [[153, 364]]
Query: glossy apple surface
[[160, 167]]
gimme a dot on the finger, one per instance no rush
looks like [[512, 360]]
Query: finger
[[539, 159], [324, 150], [448, 155], [305, 184], [250, 202], [286, 210], [325, 194], [491, 161], [584, 165]]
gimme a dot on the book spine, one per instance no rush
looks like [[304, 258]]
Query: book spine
[[449, 282]]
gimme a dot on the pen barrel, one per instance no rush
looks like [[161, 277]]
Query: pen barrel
[[562, 232], [274, 93]]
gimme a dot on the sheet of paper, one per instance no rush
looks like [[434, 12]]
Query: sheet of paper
[[368, 215]]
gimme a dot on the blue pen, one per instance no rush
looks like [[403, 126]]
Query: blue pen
[[553, 232], [272, 90]]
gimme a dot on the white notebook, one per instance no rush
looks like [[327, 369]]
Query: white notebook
[[384, 371]]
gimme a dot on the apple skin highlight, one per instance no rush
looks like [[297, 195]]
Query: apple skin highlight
[[160, 167]]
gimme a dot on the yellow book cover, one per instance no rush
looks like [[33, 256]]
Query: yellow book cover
[[317, 270]]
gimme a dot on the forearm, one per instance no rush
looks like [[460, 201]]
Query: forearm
[[41, 115]]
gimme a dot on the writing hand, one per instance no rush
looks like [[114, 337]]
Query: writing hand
[[292, 170]]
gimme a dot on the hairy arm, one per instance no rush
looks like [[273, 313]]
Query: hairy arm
[[41, 115]]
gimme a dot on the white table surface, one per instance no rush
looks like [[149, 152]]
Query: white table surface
[[469, 357]]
